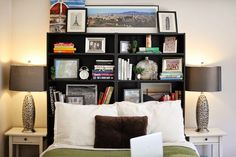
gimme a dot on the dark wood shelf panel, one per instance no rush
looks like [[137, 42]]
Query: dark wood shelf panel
[[80, 81], [151, 81], [151, 54], [79, 54]]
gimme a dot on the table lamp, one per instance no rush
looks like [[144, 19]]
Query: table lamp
[[203, 79], [29, 79]]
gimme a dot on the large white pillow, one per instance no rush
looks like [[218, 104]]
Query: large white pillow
[[165, 117], [75, 124]]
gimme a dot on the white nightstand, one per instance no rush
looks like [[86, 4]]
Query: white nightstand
[[17, 137], [213, 139]]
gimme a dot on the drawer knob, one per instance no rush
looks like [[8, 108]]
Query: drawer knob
[[25, 139], [206, 139]]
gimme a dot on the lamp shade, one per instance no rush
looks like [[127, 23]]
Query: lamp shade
[[27, 78], [203, 79]]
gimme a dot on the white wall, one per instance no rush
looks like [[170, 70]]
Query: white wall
[[5, 38], [210, 31]]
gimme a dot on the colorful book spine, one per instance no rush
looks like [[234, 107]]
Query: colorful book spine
[[108, 98]]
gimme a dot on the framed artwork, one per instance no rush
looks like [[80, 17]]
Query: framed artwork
[[132, 95], [154, 91], [89, 91], [76, 20], [122, 19], [170, 45], [78, 100], [66, 68], [167, 22], [124, 46], [95, 45], [172, 65], [58, 10]]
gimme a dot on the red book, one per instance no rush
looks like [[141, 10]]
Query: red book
[[100, 98], [105, 95]]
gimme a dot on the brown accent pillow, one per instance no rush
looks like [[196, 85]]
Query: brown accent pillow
[[116, 132]]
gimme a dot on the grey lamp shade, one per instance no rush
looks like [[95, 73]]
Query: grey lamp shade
[[27, 78], [203, 79]]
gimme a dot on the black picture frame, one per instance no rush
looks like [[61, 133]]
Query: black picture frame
[[82, 22], [167, 22]]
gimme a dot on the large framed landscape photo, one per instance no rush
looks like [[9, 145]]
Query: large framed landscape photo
[[122, 19]]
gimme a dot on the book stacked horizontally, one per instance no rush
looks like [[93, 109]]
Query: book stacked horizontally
[[64, 48], [171, 76], [103, 70], [124, 69], [105, 97]]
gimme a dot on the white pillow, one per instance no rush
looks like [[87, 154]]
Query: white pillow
[[75, 124], [165, 117]]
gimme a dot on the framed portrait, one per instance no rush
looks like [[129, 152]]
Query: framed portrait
[[76, 20], [172, 65], [124, 46], [88, 91], [122, 19], [132, 95], [66, 68], [170, 45], [95, 45], [154, 91], [77, 100], [167, 22]]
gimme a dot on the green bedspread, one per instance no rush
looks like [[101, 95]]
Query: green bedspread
[[169, 151]]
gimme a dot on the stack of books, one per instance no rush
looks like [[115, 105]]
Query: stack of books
[[124, 69], [105, 97], [152, 50], [64, 48], [103, 70], [171, 76]]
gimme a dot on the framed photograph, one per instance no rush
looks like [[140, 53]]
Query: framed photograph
[[66, 68], [76, 20], [95, 45], [122, 19], [132, 95], [172, 65], [154, 91], [167, 22], [77, 100], [89, 91], [170, 45], [124, 46]]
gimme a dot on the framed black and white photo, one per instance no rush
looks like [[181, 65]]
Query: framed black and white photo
[[66, 68], [89, 91], [122, 19], [167, 22], [132, 95], [172, 65], [77, 100], [76, 20], [124, 46], [170, 45], [154, 91], [95, 45]]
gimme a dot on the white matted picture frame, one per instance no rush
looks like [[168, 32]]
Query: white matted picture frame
[[76, 20], [89, 91], [77, 100], [66, 68], [124, 46], [124, 19], [172, 65], [167, 22], [170, 45], [132, 95], [95, 45]]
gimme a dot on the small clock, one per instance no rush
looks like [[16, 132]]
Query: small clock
[[84, 73]]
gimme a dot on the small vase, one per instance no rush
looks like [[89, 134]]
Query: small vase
[[134, 49], [138, 76]]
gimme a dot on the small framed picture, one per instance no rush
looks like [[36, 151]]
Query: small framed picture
[[132, 95], [66, 68], [172, 65], [124, 46], [76, 20], [170, 45], [167, 21], [89, 91], [95, 45], [77, 100]]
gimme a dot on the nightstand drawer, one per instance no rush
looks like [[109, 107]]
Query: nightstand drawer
[[25, 139], [204, 139]]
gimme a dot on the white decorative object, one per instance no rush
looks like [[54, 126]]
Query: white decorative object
[[150, 68]]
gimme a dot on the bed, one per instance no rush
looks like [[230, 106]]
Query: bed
[[105, 130]]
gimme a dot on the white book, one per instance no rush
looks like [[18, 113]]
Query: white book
[[124, 71], [127, 70], [119, 68], [130, 71]]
